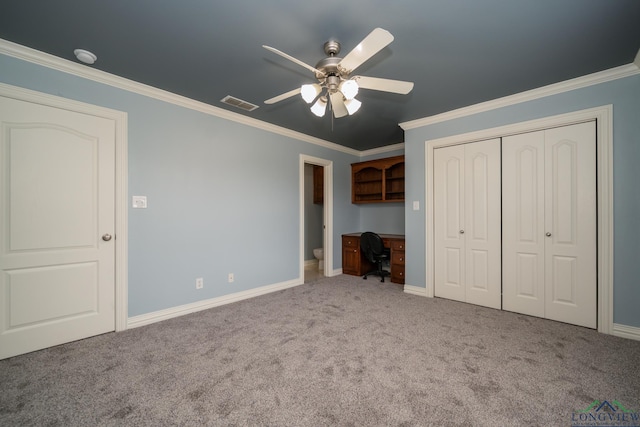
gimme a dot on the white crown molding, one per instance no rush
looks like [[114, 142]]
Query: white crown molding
[[382, 150], [530, 95], [50, 61]]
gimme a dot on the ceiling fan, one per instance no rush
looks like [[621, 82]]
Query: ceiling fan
[[335, 87]]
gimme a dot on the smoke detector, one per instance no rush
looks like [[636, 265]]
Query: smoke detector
[[85, 56]]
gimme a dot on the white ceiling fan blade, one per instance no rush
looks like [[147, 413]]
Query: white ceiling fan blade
[[337, 105], [385, 85], [377, 40], [283, 96], [292, 59]]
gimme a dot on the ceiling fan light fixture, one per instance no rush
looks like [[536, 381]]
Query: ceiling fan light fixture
[[310, 92], [336, 86], [352, 105], [319, 107], [349, 89]]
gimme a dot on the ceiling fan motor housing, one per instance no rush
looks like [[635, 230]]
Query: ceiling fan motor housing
[[329, 67]]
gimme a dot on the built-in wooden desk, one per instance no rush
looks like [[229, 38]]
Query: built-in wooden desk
[[354, 262]]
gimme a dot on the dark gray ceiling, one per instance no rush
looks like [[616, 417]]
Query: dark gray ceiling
[[458, 52]]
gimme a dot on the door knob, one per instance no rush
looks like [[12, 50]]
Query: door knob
[[106, 237], [461, 231], [548, 234]]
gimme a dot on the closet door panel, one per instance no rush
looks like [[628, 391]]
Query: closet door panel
[[448, 220], [570, 220], [482, 220], [523, 223]]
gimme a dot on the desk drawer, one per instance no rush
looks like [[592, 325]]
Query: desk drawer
[[397, 258], [397, 274], [397, 262], [350, 242], [397, 245]]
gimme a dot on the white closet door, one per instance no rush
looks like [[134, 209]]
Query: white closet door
[[449, 221], [467, 222], [523, 223], [482, 224], [549, 224], [570, 220]]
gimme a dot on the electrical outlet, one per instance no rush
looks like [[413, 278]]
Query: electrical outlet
[[231, 278], [199, 283]]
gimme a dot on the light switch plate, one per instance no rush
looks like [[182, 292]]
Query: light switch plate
[[139, 202], [416, 205]]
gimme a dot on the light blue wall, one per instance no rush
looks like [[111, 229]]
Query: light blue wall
[[382, 217], [223, 197], [624, 94]]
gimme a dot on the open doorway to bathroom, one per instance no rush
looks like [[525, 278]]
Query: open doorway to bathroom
[[315, 218], [313, 222]]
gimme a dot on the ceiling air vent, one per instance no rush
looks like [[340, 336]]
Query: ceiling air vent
[[243, 105]]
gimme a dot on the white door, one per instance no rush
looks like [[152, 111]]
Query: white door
[[570, 219], [57, 172], [483, 238], [549, 224], [467, 223], [523, 231], [448, 179]]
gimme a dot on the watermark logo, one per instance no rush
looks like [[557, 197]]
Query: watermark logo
[[605, 413]]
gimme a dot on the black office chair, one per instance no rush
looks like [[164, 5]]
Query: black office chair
[[374, 251]]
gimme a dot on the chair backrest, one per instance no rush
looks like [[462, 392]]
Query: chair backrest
[[371, 245]]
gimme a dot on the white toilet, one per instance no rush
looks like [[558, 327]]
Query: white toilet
[[319, 254]]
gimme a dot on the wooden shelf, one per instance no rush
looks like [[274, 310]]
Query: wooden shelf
[[378, 181]]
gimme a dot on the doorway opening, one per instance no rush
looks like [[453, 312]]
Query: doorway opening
[[316, 222]]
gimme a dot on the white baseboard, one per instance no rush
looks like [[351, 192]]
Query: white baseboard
[[624, 331], [415, 290], [169, 313]]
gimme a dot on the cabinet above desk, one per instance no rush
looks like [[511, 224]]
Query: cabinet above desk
[[378, 181]]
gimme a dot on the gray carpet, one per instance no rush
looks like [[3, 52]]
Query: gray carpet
[[338, 351]]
